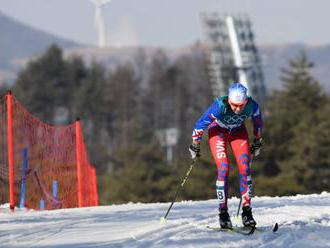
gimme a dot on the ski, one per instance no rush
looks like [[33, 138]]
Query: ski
[[274, 229], [244, 230], [240, 230]]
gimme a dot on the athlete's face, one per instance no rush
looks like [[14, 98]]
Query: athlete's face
[[237, 108]]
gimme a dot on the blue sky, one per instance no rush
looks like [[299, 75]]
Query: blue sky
[[173, 22]]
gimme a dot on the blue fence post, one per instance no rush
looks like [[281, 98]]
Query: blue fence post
[[55, 191], [42, 204], [24, 170]]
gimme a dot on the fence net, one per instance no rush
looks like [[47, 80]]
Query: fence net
[[45, 163]]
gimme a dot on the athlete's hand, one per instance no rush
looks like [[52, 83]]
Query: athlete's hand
[[256, 146], [194, 150]]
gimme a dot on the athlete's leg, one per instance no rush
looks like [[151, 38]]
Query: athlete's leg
[[218, 144], [240, 147]]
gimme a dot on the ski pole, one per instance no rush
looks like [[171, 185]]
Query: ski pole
[[240, 201], [179, 188], [239, 207]]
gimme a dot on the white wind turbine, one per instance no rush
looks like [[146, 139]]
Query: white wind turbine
[[99, 21]]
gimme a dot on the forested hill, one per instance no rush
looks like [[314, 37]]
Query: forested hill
[[18, 41], [125, 110]]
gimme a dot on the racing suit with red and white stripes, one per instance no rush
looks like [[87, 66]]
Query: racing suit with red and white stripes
[[227, 128]]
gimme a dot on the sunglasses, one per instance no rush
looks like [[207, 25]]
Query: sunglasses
[[237, 105]]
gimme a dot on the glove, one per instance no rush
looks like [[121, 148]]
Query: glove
[[256, 146], [194, 150]]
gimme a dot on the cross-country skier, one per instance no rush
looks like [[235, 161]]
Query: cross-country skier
[[225, 121]]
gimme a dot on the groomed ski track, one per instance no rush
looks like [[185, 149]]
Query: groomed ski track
[[304, 222]]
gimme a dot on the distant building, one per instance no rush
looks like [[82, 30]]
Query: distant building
[[233, 55]]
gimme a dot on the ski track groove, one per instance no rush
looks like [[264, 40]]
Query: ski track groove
[[172, 234]]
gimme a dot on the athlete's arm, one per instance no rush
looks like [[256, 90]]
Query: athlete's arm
[[204, 121]]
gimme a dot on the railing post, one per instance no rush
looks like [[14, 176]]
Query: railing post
[[10, 150], [24, 171], [55, 193], [94, 184], [79, 162]]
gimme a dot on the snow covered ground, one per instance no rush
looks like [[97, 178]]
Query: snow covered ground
[[304, 222]]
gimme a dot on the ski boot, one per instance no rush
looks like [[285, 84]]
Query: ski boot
[[224, 219], [247, 217]]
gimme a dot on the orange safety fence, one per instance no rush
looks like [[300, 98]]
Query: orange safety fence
[[42, 166]]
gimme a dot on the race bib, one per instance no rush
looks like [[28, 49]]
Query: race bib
[[220, 188]]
